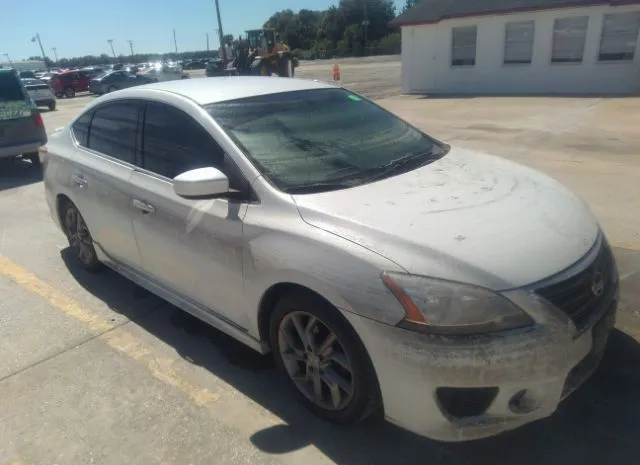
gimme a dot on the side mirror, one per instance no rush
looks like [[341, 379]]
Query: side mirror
[[201, 182]]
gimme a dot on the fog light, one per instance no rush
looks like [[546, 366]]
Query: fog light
[[524, 401]]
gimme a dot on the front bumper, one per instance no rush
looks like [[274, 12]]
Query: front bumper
[[466, 388]]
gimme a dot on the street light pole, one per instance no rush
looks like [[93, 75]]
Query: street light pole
[[131, 46], [55, 54], [207, 41], [44, 55], [113, 52], [175, 42]]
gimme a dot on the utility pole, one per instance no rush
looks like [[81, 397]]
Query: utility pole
[[55, 54], [113, 52], [130, 46], [8, 58], [175, 42], [44, 55], [207, 41], [223, 49], [365, 23]]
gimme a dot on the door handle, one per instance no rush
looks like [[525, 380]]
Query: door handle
[[145, 207], [79, 181]]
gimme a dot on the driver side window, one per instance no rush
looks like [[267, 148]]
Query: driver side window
[[173, 142]]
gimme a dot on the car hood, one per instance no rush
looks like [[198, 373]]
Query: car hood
[[468, 217]]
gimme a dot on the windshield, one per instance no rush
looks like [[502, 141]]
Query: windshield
[[325, 139], [10, 89]]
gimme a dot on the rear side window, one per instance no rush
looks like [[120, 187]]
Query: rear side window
[[174, 142], [10, 88], [113, 130], [81, 129]]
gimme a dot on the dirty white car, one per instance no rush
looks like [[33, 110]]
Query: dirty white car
[[458, 293]]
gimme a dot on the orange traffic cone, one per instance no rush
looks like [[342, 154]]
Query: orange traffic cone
[[336, 72]]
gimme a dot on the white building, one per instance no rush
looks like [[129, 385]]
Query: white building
[[521, 46]]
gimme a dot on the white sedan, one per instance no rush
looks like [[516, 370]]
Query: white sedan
[[458, 293]]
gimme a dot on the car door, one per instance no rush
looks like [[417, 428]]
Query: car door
[[107, 143], [192, 247]]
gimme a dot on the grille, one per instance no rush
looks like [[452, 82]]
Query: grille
[[584, 294]]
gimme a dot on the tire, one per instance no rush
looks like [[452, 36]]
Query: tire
[[111, 89], [52, 106], [34, 158], [286, 69], [59, 94], [361, 398], [79, 237], [69, 92]]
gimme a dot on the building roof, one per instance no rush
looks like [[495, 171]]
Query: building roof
[[434, 11], [220, 89]]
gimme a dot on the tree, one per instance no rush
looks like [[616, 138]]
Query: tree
[[408, 4], [347, 27]]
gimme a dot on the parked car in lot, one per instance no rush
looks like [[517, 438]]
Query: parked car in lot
[[215, 68], [117, 80], [40, 93], [459, 293], [22, 130], [67, 83], [164, 72]]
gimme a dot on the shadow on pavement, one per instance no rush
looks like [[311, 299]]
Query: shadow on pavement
[[16, 172], [597, 424]]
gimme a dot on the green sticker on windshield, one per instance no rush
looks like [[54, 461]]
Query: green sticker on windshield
[[353, 97]]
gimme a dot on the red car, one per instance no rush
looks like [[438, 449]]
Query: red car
[[67, 83]]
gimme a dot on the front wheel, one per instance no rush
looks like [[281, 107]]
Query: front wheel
[[323, 359], [79, 238], [70, 92], [287, 69], [111, 89], [52, 106]]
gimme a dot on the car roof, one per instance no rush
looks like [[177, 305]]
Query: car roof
[[220, 89]]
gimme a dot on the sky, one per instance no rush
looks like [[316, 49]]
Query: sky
[[85, 27]]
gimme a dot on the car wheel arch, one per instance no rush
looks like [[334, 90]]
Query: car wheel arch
[[61, 201], [271, 297]]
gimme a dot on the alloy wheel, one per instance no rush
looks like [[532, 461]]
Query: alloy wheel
[[316, 361], [79, 237]]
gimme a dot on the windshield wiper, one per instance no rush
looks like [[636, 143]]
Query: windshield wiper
[[318, 187], [401, 165]]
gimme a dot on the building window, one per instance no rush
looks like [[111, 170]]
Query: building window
[[463, 47], [569, 35], [619, 36], [518, 42]]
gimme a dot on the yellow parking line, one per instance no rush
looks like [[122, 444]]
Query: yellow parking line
[[120, 340]]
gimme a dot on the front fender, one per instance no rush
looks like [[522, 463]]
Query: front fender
[[344, 273]]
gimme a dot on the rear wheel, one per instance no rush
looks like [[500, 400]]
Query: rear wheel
[[79, 237], [286, 69], [69, 92], [52, 106], [323, 359], [111, 89]]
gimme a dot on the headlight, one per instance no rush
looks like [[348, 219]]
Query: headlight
[[446, 307]]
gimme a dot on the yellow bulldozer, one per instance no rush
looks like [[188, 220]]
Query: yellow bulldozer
[[263, 54]]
